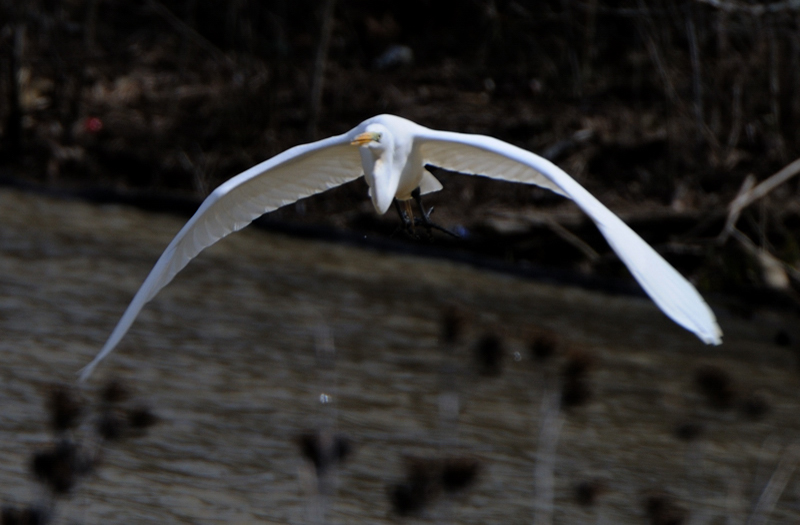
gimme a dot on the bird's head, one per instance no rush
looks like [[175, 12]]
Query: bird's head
[[376, 145], [370, 139]]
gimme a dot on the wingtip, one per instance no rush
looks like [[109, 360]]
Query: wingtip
[[712, 336]]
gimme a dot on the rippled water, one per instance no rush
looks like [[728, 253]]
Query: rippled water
[[226, 356]]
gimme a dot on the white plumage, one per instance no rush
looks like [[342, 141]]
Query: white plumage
[[391, 153]]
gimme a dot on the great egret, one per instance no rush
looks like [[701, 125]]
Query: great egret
[[391, 152]]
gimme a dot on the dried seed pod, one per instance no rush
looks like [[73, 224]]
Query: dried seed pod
[[458, 473], [141, 418], [716, 385], [689, 431], [65, 408], [324, 449], [60, 467], [489, 355], [544, 346], [587, 492], [114, 392]]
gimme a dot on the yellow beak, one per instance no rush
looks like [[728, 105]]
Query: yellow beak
[[365, 138]]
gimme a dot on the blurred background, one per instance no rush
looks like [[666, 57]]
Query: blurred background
[[679, 115], [662, 108]]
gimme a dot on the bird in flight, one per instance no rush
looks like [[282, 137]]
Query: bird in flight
[[391, 153]]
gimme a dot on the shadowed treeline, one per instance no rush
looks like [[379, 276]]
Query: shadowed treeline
[[662, 106], [698, 93]]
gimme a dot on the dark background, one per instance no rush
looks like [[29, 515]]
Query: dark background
[[662, 108]]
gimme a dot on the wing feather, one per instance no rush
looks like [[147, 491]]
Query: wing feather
[[296, 173], [478, 154], [450, 153]]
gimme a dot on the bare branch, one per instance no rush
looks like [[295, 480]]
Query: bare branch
[[315, 104], [775, 272], [756, 10], [748, 194], [543, 474], [697, 83], [735, 209], [572, 239], [736, 117], [652, 49], [190, 33], [775, 486]]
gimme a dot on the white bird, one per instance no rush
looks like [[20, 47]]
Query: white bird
[[391, 152]]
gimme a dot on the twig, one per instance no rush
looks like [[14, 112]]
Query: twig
[[748, 194], [318, 80], [327, 391], [775, 486], [190, 33], [733, 502], [735, 209], [736, 117], [697, 84], [589, 36], [549, 433], [572, 239], [655, 56], [90, 25], [775, 87], [636, 12], [768, 262], [13, 132], [756, 10]]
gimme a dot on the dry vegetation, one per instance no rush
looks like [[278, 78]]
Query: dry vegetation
[[663, 103]]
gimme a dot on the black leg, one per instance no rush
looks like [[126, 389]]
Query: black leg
[[407, 219], [402, 214], [425, 220]]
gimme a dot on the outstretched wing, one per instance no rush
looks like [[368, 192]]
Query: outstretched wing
[[296, 173], [478, 154]]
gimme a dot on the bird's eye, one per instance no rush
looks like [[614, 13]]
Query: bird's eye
[[377, 137]]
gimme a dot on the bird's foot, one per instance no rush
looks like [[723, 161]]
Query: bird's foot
[[426, 222], [412, 226], [406, 230]]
